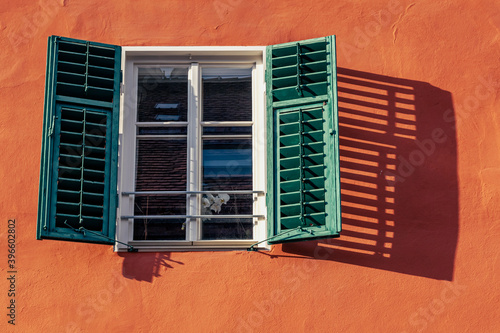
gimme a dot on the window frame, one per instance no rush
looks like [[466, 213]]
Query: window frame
[[195, 57]]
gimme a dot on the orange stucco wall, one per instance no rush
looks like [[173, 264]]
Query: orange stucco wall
[[420, 156]]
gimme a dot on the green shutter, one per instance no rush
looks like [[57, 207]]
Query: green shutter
[[78, 171], [303, 195]]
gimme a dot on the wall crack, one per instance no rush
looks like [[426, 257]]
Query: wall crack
[[394, 26]]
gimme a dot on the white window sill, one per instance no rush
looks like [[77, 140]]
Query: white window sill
[[208, 245]]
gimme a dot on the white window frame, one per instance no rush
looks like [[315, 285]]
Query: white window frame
[[132, 58]]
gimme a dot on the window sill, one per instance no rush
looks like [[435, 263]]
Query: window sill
[[173, 246]]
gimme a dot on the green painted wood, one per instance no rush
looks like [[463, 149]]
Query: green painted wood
[[78, 171], [303, 165]]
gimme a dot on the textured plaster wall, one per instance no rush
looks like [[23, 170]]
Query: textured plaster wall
[[419, 98]]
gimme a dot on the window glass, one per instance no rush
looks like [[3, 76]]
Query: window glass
[[227, 94], [161, 166], [225, 154], [162, 94], [227, 165]]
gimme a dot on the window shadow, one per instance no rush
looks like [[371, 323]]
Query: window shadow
[[399, 186], [147, 265]]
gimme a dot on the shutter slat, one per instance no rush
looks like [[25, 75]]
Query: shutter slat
[[291, 81], [71, 78], [102, 72], [308, 90], [71, 89], [71, 67], [93, 186], [101, 82], [305, 57], [77, 58], [310, 67], [68, 183], [68, 125], [308, 196], [93, 138]]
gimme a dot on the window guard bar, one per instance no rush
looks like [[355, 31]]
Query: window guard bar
[[146, 193], [157, 217]]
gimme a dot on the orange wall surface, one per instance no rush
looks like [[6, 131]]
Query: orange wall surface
[[420, 172]]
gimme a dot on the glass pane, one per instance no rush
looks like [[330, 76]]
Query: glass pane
[[221, 203], [162, 130], [160, 205], [227, 228], [228, 130], [165, 229], [162, 94], [227, 94], [227, 165], [161, 166]]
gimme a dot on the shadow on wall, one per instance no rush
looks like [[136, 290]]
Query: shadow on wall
[[398, 163], [146, 266]]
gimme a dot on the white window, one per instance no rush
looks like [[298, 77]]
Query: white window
[[192, 148], [163, 148]]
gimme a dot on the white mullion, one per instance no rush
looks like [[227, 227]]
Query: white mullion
[[193, 178], [259, 144], [254, 153], [127, 156]]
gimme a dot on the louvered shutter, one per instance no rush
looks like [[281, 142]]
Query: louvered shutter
[[80, 141], [303, 197]]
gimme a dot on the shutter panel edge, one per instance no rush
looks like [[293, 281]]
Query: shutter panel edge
[[332, 226], [107, 111]]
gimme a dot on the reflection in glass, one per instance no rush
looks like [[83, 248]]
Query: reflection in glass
[[227, 165], [236, 130], [227, 94], [227, 229], [164, 229], [161, 166], [162, 94], [162, 130], [221, 203]]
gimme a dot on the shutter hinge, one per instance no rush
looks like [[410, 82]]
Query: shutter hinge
[[122, 86], [51, 127]]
